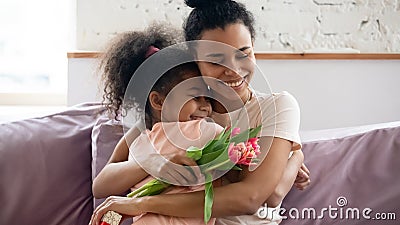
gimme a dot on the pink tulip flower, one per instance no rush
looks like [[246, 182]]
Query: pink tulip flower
[[243, 153]]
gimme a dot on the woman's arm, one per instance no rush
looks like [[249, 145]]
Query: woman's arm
[[243, 197], [289, 176], [295, 173]]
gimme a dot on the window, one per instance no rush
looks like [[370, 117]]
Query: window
[[34, 39]]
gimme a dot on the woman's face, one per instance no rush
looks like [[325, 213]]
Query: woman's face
[[231, 63]]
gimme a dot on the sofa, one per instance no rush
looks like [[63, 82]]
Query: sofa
[[47, 165]]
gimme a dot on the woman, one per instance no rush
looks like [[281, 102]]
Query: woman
[[230, 23]]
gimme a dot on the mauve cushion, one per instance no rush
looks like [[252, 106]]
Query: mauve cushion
[[45, 167], [105, 135], [362, 168]]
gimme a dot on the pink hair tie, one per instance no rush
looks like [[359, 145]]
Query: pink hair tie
[[150, 51]]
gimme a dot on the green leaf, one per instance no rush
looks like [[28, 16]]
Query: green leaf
[[216, 144], [236, 168], [153, 187], [222, 162], [210, 157], [221, 134], [211, 144], [224, 166], [245, 135], [219, 142], [226, 135], [255, 131], [153, 190], [194, 153], [208, 198]]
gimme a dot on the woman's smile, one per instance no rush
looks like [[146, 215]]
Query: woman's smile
[[236, 84]]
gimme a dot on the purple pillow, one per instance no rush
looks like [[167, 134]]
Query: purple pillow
[[350, 173], [45, 167], [105, 135]]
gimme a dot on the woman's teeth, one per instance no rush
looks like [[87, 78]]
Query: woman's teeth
[[234, 84]]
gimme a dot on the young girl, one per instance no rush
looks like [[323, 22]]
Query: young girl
[[122, 58], [182, 122], [178, 107]]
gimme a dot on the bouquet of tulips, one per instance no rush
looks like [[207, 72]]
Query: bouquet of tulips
[[227, 151]]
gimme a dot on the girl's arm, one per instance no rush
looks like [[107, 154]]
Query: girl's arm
[[119, 174], [243, 197]]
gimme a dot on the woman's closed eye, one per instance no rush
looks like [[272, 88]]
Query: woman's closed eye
[[220, 61], [215, 58], [241, 55]]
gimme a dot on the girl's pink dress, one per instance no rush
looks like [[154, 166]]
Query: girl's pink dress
[[169, 137]]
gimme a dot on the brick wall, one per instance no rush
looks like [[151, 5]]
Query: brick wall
[[282, 25]]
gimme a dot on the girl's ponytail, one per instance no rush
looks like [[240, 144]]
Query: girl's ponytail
[[125, 53]]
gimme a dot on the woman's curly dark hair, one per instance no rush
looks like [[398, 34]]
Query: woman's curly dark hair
[[124, 55], [212, 14]]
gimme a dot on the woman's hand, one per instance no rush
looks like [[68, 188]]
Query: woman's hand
[[303, 178], [127, 207]]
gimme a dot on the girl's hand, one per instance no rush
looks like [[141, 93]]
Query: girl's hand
[[127, 207], [174, 168], [180, 170], [303, 178]]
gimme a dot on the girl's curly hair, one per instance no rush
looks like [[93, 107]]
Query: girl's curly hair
[[124, 55]]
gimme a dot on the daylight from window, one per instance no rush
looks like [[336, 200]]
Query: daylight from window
[[33, 46]]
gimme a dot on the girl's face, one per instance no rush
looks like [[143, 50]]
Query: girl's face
[[187, 101], [232, 67]]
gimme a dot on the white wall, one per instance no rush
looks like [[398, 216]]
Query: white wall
[[289, 26], [338, 93], [83, 82], [331, 93]]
